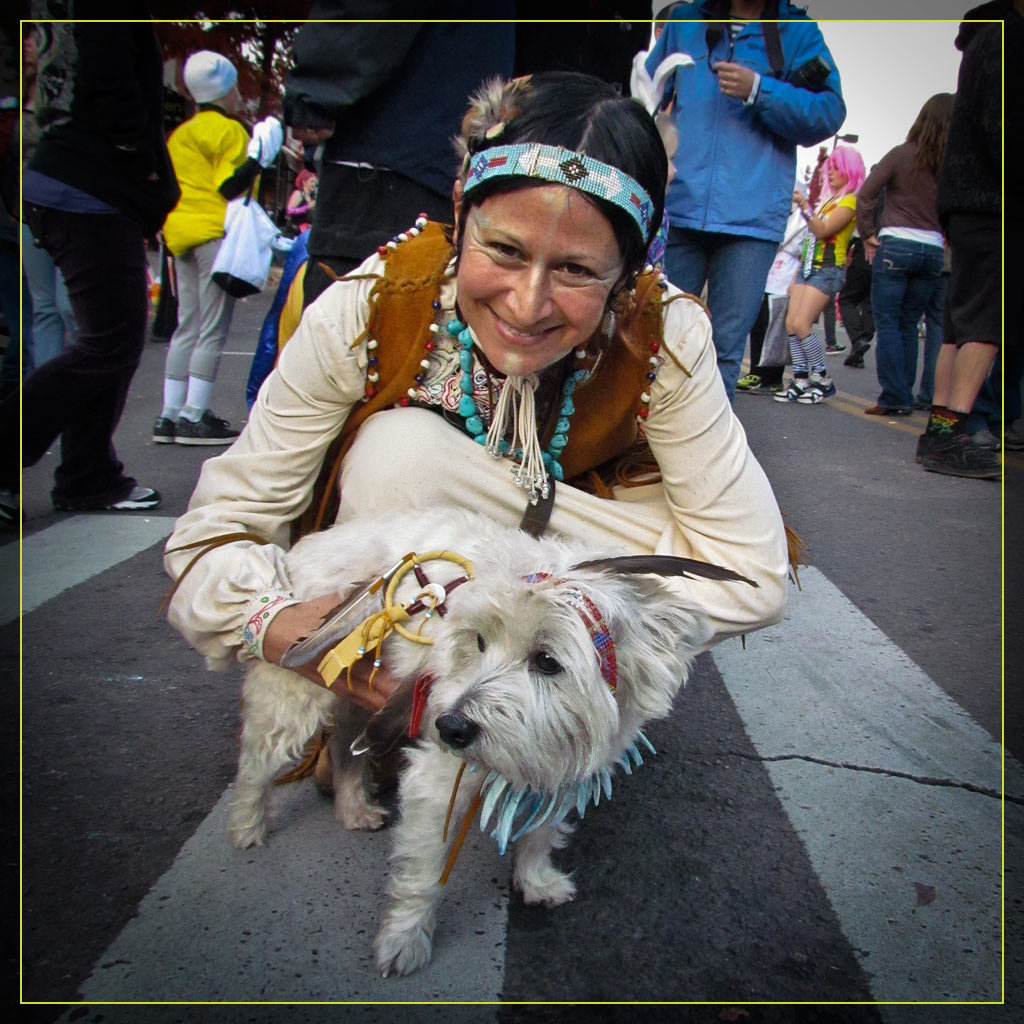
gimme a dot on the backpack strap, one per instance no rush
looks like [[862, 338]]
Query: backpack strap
[[773, 46]]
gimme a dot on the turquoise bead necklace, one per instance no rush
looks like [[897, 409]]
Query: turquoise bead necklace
[[534, 480]]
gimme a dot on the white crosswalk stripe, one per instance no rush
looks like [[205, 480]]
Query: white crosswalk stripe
[[71, 552], [892, 788]]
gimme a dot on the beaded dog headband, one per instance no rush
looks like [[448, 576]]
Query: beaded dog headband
[[600, 634], [564, 167]]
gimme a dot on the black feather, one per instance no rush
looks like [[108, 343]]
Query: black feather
[[388, 729], [664, 565]]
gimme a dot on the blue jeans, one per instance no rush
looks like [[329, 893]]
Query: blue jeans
[[904, 278], [53, 323], [735, 269], [933, 315]]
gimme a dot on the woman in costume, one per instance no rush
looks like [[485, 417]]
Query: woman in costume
[[403, 381], [829, 229]]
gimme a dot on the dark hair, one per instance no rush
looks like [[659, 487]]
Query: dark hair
[[584, 114]]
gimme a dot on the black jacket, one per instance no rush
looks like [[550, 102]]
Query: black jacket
[[970, 179], [396, 92], [99, 102]]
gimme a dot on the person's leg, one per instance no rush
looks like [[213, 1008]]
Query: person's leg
[[775, 348], [19, 345], [737, 271], [888, 289], [972, 331], [972, 366], [923, 270], [686, 259], [757, 333], [51, 307], [179, 350], [79, 395], [1013, 338], [854, 308], [933, 311], [828, 319], [215, 309], [806, 303]]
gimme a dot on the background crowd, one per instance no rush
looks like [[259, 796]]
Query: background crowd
[[907, 251]]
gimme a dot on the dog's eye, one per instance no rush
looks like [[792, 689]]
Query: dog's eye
[[481, 642], [546, 664]]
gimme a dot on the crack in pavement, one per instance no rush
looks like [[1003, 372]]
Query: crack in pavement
[[923, 780]]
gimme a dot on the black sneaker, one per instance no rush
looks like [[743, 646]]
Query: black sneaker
[[924, 446], [857, 353], [834, 350], [139, 499], [209, 430], [163, 431], [960, 456]]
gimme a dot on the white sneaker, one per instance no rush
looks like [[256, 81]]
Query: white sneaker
[[797, 386], [821, 387]]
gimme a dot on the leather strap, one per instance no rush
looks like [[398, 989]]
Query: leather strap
[[536, 517]]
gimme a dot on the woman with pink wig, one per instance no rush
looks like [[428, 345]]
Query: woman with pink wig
[[830, 227]]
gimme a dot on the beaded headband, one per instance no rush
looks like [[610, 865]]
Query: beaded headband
[[600, 634], [564, 167]]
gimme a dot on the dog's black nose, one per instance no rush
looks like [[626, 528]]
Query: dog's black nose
[[456, 729]]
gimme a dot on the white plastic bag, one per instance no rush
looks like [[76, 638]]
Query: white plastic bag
[[244, 257]]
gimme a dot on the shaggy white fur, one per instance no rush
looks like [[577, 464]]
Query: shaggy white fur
[[517, 690]]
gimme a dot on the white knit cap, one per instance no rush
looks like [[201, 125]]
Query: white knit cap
[[209, 76]]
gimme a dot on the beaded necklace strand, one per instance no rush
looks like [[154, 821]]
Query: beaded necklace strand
[[533, 464]]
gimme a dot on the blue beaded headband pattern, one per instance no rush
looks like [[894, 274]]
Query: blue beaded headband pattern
[[564, 167]]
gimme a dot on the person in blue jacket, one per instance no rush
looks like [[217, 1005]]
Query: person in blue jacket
[[756, 90]]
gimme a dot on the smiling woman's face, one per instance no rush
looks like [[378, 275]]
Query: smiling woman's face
[[535, 272]]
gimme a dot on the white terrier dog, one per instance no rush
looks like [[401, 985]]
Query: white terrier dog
[[541, 671]]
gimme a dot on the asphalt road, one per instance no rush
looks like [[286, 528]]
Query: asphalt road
[[821, 825]]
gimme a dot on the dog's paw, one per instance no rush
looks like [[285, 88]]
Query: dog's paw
[[245, 835], [545, 885], [356, 812], [402, 952]]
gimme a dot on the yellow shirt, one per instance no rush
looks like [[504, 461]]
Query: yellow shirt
[[840, 241], [205, 150]]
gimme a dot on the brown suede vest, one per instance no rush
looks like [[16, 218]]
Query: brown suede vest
[[604, 423]]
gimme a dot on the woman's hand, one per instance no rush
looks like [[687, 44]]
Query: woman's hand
[[734, 79], [870, 246], [297, 621]]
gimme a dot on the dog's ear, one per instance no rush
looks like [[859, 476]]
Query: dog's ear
[[656, 638], [664, 565]]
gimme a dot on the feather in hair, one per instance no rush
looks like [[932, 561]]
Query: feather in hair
[[493, 104]]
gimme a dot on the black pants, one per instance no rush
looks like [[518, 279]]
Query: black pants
[[80, 394], [768, 374], [858, 319]]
